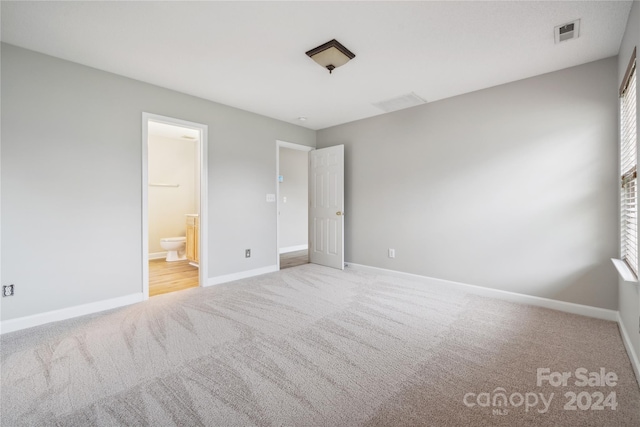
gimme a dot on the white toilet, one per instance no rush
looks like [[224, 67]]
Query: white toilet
[[175, 248]]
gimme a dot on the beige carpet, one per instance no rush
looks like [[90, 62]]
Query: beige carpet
[[312, 346]]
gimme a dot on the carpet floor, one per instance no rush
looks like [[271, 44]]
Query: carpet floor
[[312, 346]]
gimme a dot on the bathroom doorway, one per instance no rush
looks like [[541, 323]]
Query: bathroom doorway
[[292, 163], [174, 202]]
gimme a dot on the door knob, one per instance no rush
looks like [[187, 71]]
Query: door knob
[[338, 213]]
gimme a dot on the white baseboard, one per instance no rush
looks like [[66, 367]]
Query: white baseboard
[[241, 275], [158, 255], [293, 249], [13, 325], [633, 357], [568, 307]]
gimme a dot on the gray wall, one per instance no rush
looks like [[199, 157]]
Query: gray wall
[[71, 181], [628, 295], [294, 213], [513, 187]]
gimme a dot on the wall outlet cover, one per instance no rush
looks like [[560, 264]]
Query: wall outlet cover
[[7, 290]]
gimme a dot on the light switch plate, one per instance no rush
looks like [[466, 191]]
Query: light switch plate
[[271, 197]]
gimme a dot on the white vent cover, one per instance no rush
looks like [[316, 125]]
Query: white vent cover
[[399, 102], [568, 31]]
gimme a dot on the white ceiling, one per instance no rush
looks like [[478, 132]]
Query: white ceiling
[[174, 132], [251, 55]]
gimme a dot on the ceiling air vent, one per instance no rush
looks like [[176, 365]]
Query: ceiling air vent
[[399, 102], [567, 31]]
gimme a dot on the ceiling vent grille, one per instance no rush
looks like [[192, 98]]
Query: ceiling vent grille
[[568, 31], [399, 102]]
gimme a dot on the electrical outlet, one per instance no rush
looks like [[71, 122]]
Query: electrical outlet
[[7, 290], [392, 253], [247, 253]]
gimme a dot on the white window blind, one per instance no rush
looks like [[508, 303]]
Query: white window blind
[[628, 169]]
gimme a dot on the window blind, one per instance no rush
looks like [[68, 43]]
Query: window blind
[[628, 169]]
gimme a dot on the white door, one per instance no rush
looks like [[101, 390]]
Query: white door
[[326, 206]]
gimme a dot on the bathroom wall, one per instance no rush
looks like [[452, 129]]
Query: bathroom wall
[[171, 161], [294, 189]]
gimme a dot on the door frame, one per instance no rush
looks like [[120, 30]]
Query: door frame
[[203, 241], [293, 146]]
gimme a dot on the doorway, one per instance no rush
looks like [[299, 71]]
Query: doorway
[[174, 204], [292, 204]]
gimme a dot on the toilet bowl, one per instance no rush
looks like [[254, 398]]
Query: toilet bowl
[[174, 247]]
